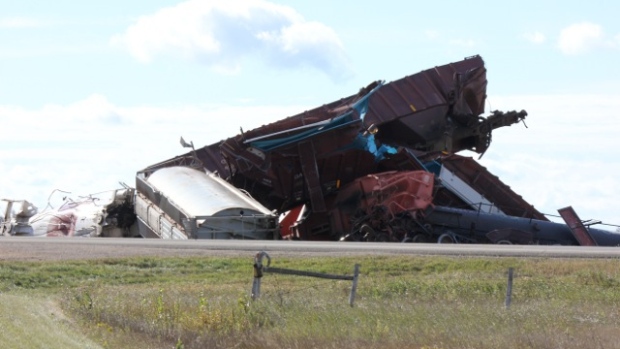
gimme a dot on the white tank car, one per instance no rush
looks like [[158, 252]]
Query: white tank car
[[180, 202]]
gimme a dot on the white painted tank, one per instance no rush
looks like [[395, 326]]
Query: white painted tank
[[203, 194], [199, 205]]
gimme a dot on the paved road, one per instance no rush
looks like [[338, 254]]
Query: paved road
[[15, 248]]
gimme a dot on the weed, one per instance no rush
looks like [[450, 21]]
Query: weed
[[415, 302]]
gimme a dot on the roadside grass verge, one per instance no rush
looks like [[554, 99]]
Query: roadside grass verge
[[35, 320], [402, 302]]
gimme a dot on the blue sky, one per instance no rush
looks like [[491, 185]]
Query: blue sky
[[93, 91]]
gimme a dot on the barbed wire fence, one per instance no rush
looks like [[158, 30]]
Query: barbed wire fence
[[285, 288], [260, 269]]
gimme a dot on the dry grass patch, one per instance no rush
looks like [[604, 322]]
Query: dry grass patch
[[403, 302]]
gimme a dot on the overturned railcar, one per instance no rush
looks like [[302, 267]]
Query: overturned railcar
[[186, 203], [352, 169], [454, 225], [106, 214], [373, 208], [370, 208], [304, 158]]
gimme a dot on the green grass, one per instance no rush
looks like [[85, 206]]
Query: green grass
[[36, 321], [402, 302]]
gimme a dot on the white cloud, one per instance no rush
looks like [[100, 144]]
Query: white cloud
[[221, 34], [89, 146], [583, 37], [438, 37], [467, 43], [431, 34], [565, 157], [19, 22], [535, 37]]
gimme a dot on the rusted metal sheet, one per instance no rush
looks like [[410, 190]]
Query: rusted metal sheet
[[414, 111], [208, 157], [313, 227], [436, 109], [309, 158], [388, 203], [378, 200], [580, 232], [276, 177]]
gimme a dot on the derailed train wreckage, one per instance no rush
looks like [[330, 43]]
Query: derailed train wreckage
[[109, 214], [380, 165]]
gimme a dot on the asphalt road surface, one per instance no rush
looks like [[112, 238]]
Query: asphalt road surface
[[33, 249]]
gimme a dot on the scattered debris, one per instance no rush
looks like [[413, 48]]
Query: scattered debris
[[88, 216]]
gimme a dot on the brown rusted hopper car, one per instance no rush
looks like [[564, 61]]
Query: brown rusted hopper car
[[352, 169], [305, 158]]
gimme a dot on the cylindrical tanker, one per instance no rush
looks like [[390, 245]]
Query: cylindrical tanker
[[181, 202], [450, 224]]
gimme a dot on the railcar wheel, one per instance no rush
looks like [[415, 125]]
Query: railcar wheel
[[446, 239], [368, 233]]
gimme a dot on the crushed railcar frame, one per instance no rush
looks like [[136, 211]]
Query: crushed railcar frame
[[302, 163]]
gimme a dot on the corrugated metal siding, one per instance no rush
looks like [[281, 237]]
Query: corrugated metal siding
[[169, 230], [157, 220], [189, 199]]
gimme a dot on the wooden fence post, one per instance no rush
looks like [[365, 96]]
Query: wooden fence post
[[259, 269], [509, 288], [356, 273], [258, 273]]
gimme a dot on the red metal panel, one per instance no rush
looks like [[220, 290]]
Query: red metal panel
[[398, 192], [580, 232], [287, 222]]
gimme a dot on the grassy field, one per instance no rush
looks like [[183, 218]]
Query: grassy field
[[402, 302]]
